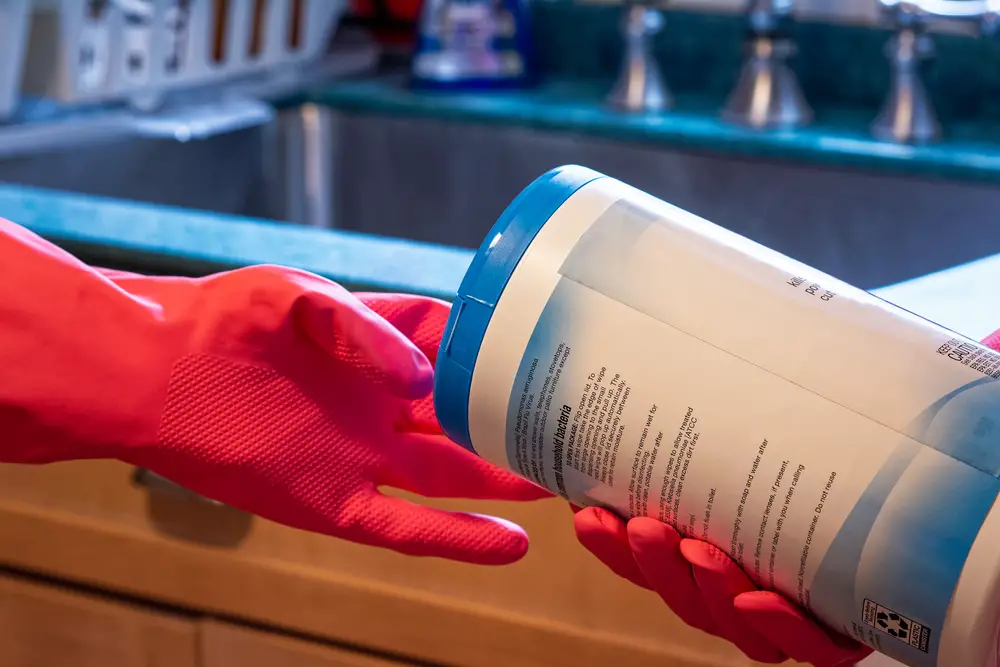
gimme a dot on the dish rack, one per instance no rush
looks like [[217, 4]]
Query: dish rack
[[84, 52]]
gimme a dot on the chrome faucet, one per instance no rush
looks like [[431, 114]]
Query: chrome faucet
[[640, 87], [767, 94], [907, 115]]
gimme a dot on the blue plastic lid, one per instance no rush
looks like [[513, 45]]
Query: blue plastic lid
[[482, 286]]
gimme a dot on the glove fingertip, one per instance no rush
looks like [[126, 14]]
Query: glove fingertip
[[606, 537], [418, 530], [359, 337], [407, 382], [409, 375], [646, 533], [993, 340], [705, 556], [422, 319], [420, 384], [799, 636], [655, 547], [768, 613], [608, 519], [507, 542], [507, 524]]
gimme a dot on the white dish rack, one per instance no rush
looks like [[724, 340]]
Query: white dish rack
[[81, 52]]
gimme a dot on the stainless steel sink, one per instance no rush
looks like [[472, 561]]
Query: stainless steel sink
[[447, 183]]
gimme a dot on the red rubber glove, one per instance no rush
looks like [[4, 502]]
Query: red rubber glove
[[271, 390], [709, 591]]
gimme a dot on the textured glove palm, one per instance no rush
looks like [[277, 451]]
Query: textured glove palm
[[268, 389]]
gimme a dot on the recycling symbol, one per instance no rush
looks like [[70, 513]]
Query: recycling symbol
[[893, 624]]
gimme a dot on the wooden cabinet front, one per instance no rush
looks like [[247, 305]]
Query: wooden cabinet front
[[89, 521], [227, 645], [46, 626]]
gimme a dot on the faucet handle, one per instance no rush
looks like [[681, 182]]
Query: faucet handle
[[907, 115], [640, 86], [767, 93]]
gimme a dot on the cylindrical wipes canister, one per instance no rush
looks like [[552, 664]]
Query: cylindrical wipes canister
[[627, 354]]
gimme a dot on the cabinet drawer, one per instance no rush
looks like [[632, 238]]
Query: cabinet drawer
[[43, 626], [90, 522], [225, 645]]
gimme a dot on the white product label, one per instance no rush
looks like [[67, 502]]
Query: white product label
[[844, 452]]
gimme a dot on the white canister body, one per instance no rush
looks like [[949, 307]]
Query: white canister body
[[624, 353]]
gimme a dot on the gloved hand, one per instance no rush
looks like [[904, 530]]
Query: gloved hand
[[269, 389], [709, 591]]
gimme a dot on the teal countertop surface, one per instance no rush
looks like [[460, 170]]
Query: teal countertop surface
[[837, 138], [158, 239]]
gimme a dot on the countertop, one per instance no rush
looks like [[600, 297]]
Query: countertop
[[838, 137], [145, 236], [142, 235]]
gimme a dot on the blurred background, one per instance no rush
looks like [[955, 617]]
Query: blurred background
[[228, 107], [859, 136]]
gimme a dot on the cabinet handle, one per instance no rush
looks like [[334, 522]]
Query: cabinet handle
[[157, 484], [183, 514]]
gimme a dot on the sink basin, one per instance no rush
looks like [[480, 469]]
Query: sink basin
[[446, 183]]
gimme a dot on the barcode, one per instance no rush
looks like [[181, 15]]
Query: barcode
[[976, 357]]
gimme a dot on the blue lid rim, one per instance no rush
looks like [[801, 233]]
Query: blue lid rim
[[484, 283]]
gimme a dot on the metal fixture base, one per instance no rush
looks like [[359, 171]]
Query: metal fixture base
[[767, 95], [907, 116], [640, 87]]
